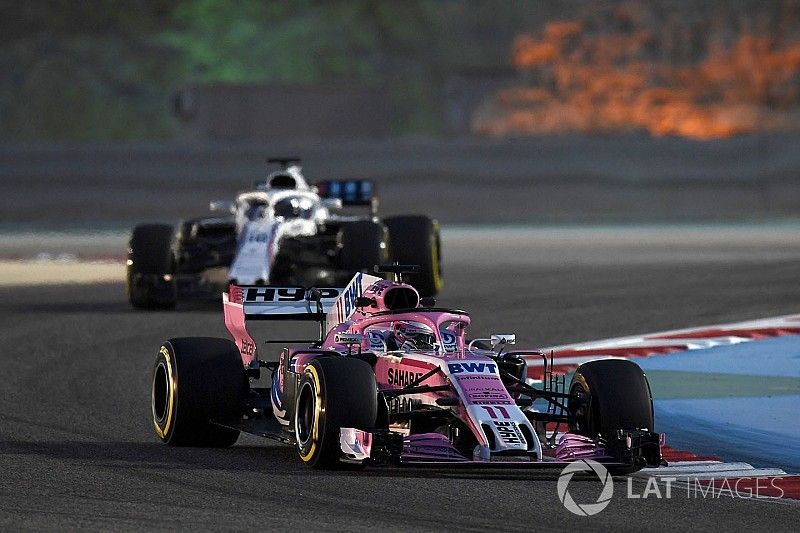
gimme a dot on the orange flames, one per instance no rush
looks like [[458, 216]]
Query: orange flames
[[634, 79]]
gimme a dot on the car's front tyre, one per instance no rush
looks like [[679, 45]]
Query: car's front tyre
[[334, 392], [607, 395]]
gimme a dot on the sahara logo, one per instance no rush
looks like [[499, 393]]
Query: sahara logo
[[585, 509]]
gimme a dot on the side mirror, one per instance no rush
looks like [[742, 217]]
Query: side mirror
[[502, 340], [222, 205], [332, 203], [495, 340]]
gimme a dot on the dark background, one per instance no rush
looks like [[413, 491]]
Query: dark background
[[237, 70], [476, 112]]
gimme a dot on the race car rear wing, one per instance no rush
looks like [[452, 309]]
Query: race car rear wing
[[283, 303], [329, 306], [352, 193], [271, 303]]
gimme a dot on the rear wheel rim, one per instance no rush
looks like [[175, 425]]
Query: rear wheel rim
[[161, 393], [305, 416]]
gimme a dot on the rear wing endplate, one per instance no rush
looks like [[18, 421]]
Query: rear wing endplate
[[345, 305]]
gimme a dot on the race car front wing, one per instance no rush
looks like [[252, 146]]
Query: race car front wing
[[625, 449]]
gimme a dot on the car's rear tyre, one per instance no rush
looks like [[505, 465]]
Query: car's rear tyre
[[196, 380], [415, 240], [607, 395], [150, 278], [363, 244], [334, 392]]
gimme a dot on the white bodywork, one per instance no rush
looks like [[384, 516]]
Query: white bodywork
[[261, 224]]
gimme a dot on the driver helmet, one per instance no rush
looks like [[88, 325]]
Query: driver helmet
[[411, 335], [294, 207]]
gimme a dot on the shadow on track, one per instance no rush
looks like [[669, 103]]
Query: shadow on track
[[269, 460]]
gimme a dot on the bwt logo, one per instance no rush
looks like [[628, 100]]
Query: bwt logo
[[350, 294], [472, 368]]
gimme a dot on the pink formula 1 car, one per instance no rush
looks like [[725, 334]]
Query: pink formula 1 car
[[392, 380]]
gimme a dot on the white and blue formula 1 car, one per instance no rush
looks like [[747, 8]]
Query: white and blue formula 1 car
[[283, 232]]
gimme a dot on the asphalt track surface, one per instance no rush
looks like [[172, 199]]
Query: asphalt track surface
[[77, 449]]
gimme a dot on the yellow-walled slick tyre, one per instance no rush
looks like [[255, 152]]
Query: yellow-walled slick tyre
[[334, 392], [195, 381]]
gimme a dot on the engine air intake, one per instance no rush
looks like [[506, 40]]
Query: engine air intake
[[401, 298]]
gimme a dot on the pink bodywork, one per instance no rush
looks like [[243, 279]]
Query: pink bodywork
[[396, 371], [485, 390], [468, 374], [233, 310]]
